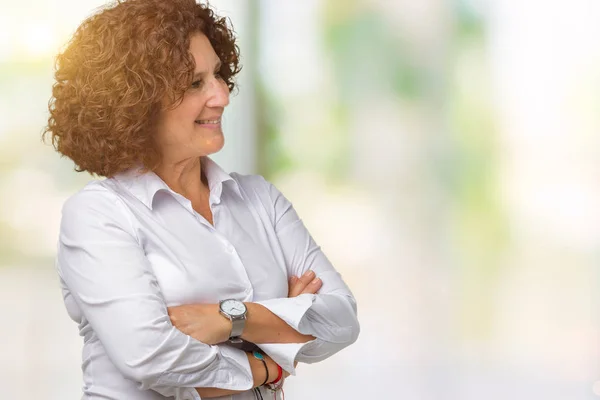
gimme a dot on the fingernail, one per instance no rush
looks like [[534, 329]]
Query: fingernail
[[311, 273], [315, 281]]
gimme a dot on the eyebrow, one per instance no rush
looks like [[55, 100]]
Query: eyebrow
[[200, 74]]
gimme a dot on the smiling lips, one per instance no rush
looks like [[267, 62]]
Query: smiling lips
[[208, 121]]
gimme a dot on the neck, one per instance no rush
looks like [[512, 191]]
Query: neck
[[184, 177]]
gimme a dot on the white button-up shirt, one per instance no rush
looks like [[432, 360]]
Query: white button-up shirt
[[130, 247]]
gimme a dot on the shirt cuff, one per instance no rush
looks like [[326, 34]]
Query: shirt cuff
[[285, 354], [291, 309]]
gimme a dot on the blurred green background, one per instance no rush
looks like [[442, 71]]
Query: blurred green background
[[444, 154]]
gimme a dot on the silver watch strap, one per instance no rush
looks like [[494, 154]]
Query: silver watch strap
[[237, 327]]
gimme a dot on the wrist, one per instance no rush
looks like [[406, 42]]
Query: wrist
[[279, 377], [250, 308], [235, 312], [273, 368], [259, 374], [225, 325]]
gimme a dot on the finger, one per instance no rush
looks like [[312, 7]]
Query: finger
[[306, 278], [171, 312], [302, 282], [313, 287], [296, 287], [291, 285]]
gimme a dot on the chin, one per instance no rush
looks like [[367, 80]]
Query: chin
[[213, 145]]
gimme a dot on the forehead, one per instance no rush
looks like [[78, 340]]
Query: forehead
[[203, 52]]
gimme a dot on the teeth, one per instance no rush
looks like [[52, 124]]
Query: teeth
[[215, 121]]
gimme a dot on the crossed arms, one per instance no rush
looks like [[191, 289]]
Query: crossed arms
[[204, 323], [107, 272]]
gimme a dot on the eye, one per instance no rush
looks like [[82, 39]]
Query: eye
[[196, 84], [218, 75]]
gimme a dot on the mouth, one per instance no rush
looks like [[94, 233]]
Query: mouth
[[216, 121]]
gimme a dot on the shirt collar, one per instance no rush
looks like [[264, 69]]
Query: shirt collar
[[145, 185], [215, 175]]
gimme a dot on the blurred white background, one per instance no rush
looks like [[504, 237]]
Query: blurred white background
[[444, 154]]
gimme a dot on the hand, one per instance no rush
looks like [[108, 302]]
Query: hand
[[307, 283], [203, 322]]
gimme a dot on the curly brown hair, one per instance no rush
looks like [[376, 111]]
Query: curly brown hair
[[122, 67]]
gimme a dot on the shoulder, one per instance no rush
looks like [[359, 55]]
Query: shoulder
[[256, 185], [95, 195], [95, 203], [250, 182], [255, 188]]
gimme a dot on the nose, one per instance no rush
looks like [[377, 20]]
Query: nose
[[219, 94]]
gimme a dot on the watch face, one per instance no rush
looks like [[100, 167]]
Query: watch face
[[234, 308]]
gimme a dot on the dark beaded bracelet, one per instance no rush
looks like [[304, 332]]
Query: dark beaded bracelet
[[260, 357]]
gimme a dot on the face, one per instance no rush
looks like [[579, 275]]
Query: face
[[193, 128]]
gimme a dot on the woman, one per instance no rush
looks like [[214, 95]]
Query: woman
[[171, 266]]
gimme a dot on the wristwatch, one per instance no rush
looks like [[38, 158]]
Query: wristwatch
[[235, 311]]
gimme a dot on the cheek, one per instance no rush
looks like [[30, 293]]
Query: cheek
[[174, 125], [185, 116], [193, 105], [186, 112]]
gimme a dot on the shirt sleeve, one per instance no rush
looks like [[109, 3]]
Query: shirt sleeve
[[105, 268], [330, 316]]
